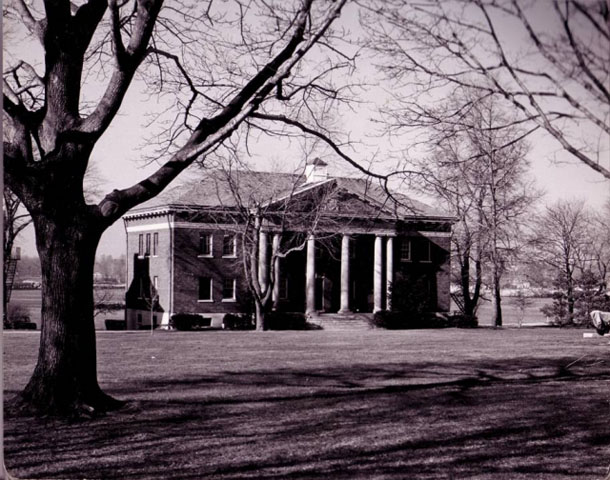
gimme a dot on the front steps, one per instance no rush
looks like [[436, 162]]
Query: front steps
[[342, 321]]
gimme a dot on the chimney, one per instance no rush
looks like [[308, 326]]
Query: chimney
[[316, 170]]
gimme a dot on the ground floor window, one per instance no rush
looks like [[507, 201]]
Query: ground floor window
[[228, 289], [205, 289]]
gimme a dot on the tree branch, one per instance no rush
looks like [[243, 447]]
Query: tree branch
[[35, 27], [99, 120], [211, 132]]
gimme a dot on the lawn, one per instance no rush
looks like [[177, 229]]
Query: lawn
[[436, 404]]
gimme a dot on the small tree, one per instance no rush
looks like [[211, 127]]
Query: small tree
[[523, 302]]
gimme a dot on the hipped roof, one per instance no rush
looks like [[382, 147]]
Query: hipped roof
[[219, 189]]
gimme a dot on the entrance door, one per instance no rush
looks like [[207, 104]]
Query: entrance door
[[319, 292], [324, 294]]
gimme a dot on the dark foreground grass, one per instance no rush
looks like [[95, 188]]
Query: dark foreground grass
[[451, 404]]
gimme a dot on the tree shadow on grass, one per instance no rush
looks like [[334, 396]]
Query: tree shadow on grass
[[513, 419]]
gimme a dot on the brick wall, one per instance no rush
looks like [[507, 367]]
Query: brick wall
[[189, 266]]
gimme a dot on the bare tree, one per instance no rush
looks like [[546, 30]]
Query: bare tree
[[548, 61], [217, 64], [480, 173], [16, 219], [567, 240]]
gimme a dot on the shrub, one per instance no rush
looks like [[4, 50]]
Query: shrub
[[382, 319], [18, 317], [397, 320], [115, 324], [22, 325], [237, 322], [189, 321], [401, 321], [286, 321], [460, 320]]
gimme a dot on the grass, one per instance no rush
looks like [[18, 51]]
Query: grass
[[446, 404]]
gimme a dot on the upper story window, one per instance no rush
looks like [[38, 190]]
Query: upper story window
[[405, 250], [205, 289], [228, 245], [228, 289], [155, 247], [141, 244], [147, 244], [205, 244]]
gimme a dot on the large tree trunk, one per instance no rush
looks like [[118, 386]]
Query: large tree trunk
[[65, 377]]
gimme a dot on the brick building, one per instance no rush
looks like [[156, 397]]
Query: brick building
[[185, 247]]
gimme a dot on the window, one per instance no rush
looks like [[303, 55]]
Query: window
[[155, 244], [156, 282], [148, 244], [405, 250], [228, 246], [228, 289], [426, 251], [205, 289], [140, 244], [205, 244], [139, 317]]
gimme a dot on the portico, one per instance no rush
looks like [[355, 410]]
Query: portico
[[382, 276]]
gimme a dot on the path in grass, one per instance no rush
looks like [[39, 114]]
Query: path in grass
[[507, 404]]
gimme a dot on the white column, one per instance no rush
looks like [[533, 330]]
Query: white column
[[263, 260], [275, 294], [345, 274], [389, 271], [310, 276], [377, 275]]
